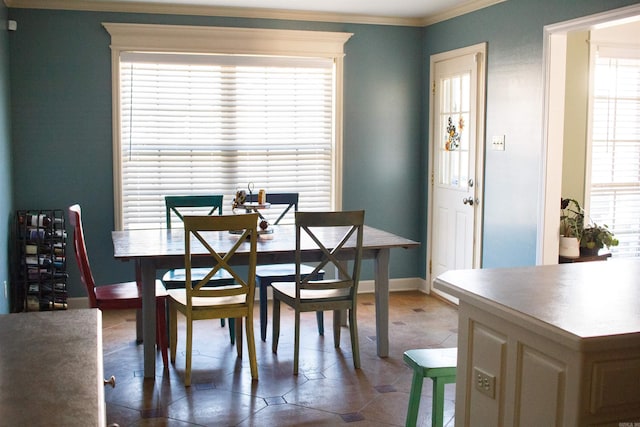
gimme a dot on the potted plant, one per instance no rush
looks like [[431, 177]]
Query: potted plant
[[575, 238], [571, 227], [595, 237]]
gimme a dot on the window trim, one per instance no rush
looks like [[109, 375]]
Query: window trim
[[225, 40], [606, 49]]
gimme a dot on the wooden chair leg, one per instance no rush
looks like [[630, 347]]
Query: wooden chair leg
[[355, 345], [296, 345], [161, 330], [320, 320], [275, 335], [237, 330], [251, 348], [187, 370], [232, 330], [263, 309], [173, 331], [336, 328]]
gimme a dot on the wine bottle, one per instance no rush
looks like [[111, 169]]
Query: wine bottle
[[35, 220]]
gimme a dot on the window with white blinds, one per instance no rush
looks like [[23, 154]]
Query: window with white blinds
[[208, 110], [193, 124], [614, 197]]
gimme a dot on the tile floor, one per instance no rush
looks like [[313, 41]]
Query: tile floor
[[327, 392]]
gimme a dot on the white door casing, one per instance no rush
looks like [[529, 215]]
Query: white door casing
[[456, 166]]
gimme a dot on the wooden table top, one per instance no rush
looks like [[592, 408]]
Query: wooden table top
[[161, 243]]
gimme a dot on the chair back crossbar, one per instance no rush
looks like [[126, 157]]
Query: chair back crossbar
[[288, 200], [176, 205]]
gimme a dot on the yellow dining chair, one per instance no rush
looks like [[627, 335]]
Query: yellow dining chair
[[266, 274], [338, 235], [196, 301]]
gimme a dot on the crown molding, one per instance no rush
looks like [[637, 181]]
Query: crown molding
[[463, 9], [238, 12], [234, 12]]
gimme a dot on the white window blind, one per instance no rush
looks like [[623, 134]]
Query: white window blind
[[615, 147], [210, 124]]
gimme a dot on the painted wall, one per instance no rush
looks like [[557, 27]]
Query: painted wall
[[6, 215], [61, 120], [575, 116], [514, 33], [61, 109]]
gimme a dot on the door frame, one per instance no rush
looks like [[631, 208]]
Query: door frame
[[480, 51], [554, 66]]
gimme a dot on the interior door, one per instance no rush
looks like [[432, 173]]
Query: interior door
[[457, 141]]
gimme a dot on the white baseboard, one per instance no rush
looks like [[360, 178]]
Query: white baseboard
[[407, 284]]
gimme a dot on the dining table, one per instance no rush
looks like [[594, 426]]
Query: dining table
[[159, 249]]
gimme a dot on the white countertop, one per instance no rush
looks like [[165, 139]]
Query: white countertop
[[588, 301]]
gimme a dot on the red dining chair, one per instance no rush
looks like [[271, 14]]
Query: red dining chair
[[119, 296]]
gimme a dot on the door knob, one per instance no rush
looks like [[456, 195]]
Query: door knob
[[468, 201], [111, 381]]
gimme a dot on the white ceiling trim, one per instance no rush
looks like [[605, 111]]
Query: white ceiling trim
[[238, 12], [463, 9]]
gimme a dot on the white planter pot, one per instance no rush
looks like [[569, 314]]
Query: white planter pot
[[569, 247]]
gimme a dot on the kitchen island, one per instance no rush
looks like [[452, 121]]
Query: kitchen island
[[51, 369], [548, 345]]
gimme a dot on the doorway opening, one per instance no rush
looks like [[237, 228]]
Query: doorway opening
[[556, 39]]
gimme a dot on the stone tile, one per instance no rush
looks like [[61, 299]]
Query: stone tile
[[327, 392]]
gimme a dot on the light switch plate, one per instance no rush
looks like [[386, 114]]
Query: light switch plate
[[485, 383], [497, 143]]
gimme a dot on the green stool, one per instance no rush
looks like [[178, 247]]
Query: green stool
[[439, 364]]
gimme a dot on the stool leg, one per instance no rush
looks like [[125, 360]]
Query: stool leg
[[437, 410], [414, 399]]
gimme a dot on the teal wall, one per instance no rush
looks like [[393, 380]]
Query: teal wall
[[513, 31], [61, 107], [60, 81], [6, 206]]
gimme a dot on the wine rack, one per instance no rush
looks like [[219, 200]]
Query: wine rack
[[41, 280]]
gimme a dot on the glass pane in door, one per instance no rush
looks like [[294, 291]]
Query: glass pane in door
[[454, 135]]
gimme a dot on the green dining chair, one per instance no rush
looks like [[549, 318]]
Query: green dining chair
[[268, 273], [341, 248], [177, 207]]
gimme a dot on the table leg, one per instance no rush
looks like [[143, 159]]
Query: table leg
[[148, 277], [381, 263], [139, 332]]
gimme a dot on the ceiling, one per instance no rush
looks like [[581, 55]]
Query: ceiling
[[397, 12]]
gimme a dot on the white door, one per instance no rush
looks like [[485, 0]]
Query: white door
[[457, 144]]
